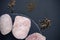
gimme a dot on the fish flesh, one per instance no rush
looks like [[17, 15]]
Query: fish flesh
[[6, 24], [21, 27], [36, 36]]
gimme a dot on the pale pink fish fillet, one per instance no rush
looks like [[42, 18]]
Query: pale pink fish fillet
[[21, 27], [36, 36], [6, 24]]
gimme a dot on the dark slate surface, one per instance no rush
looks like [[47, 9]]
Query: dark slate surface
[[44, 8]]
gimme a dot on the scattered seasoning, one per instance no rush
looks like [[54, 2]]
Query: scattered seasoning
[[11, 3], [31, 6], [45, 23]]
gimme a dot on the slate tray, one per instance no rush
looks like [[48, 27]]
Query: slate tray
[[34, 28]]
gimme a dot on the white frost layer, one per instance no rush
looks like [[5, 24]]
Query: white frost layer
[[36, 36], [21, 27], [6, 24]]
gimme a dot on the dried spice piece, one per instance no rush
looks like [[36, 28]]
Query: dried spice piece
[[31, 6], [45, 23], [11, 3]]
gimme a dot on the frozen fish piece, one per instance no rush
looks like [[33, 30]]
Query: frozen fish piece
[[6, 24], [36, 36], [21, 27]]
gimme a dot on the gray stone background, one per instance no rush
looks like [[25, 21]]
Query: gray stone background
[[44, 8]]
